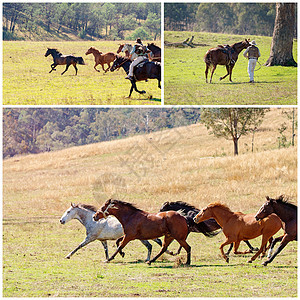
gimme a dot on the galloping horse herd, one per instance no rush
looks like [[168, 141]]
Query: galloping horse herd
[[143, 71], [124, 222]]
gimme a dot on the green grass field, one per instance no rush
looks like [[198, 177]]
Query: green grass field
[[184, 78], [27, 81]]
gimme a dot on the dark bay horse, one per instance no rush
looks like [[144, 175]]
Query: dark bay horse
[[156, 52], [287, 212], [145, 70], [141, 225], [59, 59], [220, 56], [238, 227], [208, 227]]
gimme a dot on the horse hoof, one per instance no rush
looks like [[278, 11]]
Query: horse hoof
[[264, 263], [106, 261], [143, 92], [148, 262], [220, 78], [67, 257], [227, 259], [250, 261]]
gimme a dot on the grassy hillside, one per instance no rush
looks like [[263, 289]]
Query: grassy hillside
[[27, 81], [180, 164], [185, 78]]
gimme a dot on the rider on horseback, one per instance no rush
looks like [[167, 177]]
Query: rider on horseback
[[142, 55]]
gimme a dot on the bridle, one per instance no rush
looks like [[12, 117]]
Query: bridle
[[120, 65]]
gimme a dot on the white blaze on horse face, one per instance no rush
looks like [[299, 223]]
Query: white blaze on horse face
[[106, 212], [68, 215]]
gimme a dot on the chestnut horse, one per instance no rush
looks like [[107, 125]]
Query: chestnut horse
[[287, 212], [238, 227], [138, 224], [220, 56], [101, 58], [59, 59]]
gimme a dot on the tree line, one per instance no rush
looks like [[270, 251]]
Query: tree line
[[234, 18], [35, 130], [111, 21]]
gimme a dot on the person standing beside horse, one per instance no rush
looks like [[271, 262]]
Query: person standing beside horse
[[142, 54], [252, 53]]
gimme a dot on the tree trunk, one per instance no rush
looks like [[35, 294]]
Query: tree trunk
[[236, 149], [282, 42]]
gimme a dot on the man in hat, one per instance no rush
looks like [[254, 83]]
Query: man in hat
[[142, 54], [252, 53]]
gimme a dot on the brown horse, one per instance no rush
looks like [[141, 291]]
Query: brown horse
[[220, 56], [138, 224], [59, 59], [101, 59], [120, 49], [238, 227], [287, 212]]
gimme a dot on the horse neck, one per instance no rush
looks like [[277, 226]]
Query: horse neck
[[283, 211], [221, 215], [238, 47], [125, 66], [85, 216], [123, 214]]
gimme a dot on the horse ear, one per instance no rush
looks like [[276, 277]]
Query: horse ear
[[280, 198], [72, 204], [268, 198]]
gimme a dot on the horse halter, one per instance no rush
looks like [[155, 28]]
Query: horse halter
[[106, 212]]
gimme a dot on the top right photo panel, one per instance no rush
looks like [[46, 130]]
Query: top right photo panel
[[230, 53]]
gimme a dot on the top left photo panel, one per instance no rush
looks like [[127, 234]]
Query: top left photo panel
[[81, 53]]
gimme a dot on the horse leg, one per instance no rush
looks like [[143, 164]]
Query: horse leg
[[278, 239], [104, 243], [149, 247], [118, 242], [74, 65], [107, 68], [124, 242], [250, 246], [285, 240], [230, 73], [187, 248], [229, 249], [67, 67], [227, 68], [206, 72], [228, 241], [166, 243], [159, 83], [84, 243], [53, 67], [159, 242], [263, 243], [96, 64], [133, 82], [212, 72]]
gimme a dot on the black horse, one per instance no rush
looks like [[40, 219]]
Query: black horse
[[156, 52], [59, 59], [208, 228], [287, 212], [143, 71]]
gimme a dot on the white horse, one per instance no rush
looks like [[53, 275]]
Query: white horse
[[129, 47], [102, 230]]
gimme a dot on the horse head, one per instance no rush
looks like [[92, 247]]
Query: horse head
[[69, 214], [105, 210]]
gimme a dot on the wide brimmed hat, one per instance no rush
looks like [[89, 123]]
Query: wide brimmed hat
[[253, 43]]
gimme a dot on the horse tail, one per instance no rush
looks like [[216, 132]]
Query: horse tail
[[207, 58], [80, 60]]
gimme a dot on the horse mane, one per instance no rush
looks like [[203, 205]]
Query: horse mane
[[87, 206], [219, 204], [56, 51], [181, 203], [127, 204], [96, 50], [285, 201]]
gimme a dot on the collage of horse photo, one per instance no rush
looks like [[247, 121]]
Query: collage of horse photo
[[167, 131]]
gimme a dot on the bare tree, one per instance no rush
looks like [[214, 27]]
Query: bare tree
[[282, 42]]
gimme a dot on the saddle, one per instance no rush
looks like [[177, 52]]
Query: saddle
[[226, 49], [141, 64]]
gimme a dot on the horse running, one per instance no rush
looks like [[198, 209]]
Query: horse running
[[59, 59], [287, 212], [139, 224], [219, 56], [208, 227], [238, 227], [100, 58], [143, 71], [103, 230], [156, 52]]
